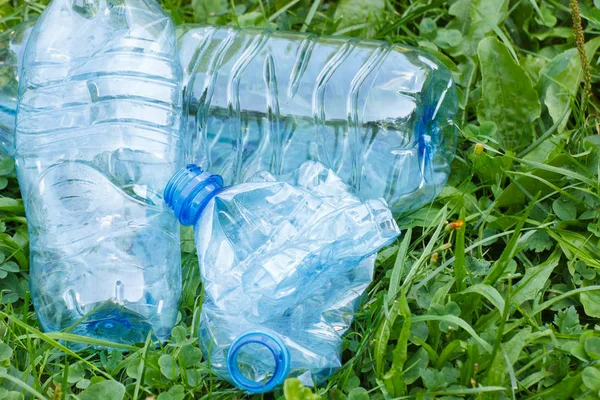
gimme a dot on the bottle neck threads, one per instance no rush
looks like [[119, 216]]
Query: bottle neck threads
[[188, 192]]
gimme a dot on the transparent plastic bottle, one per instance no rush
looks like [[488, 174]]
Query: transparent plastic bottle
[[284, 262], [97, 140], [380, 115]]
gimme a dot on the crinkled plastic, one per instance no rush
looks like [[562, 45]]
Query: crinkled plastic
[[284, 263], [378, 114], [97, 140]]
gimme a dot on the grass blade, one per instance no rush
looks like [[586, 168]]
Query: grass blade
[[22, 384], [310, 15], [509, 252], [460, 269], [399, 266]]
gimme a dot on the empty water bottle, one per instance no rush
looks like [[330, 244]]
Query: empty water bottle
[[283, 262], [380, 115], [97, 140], [12, 46]]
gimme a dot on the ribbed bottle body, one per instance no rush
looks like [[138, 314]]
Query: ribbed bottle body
[[97, 140]]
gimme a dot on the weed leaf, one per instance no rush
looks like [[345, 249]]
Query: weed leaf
[[510, 100]]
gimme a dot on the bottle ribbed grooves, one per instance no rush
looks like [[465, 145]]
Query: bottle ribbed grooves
[[188, 192], [233, 91]]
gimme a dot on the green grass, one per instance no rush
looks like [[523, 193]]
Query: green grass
[[504, 305]]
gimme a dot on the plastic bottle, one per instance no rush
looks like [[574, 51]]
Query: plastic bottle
[[12, 46], [284, 262], [97, 140], [380, 115]]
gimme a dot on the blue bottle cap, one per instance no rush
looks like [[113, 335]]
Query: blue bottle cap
[[189, 191], [280, 354]]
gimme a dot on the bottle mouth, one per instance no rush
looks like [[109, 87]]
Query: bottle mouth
[[189, 191], [275, 346]]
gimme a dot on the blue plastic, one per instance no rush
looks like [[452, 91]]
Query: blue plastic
[[378, 114], [99, 112], [284, 261], [281, 357]]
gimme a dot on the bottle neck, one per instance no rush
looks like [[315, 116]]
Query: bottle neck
[[274, 344], [188, 192]]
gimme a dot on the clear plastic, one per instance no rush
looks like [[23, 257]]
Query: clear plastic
[[380, 115], [97, 139], [12, 47], [284, 262]]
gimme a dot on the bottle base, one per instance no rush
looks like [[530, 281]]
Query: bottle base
[[113, 322]]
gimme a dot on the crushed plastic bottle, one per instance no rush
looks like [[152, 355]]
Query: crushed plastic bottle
[[284, 263], [97, 140], [380, 115], [12, 46]]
